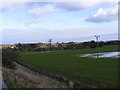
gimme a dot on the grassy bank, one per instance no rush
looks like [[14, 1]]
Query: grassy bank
[[69, 64]]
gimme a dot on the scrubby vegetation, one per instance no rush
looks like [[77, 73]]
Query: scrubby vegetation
[[9, 55]]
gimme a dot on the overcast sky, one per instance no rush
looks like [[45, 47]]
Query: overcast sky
[[62, 21]]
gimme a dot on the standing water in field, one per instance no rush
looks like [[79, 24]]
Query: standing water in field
[[102, 55]]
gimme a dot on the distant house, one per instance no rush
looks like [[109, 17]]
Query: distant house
[[7, 46]]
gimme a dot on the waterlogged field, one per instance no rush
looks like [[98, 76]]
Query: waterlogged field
[[69, 63]]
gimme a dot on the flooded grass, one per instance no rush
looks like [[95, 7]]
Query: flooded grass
[[69, 64], [102, 55]]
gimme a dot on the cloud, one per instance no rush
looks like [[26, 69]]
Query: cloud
[[33, 21], [19, 4], [56, 0], [78, 6], [63, 4], [43, 34], [12, 6], [104, 15], [66, 5], [42, 10]]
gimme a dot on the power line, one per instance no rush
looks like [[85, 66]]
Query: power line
[[50, 41], [97, 37]]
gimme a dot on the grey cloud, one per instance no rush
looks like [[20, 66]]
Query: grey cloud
[[101, 19], [78, 6], [12, 6], [70, 6]]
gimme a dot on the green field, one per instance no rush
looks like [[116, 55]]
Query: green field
[[69, 64]]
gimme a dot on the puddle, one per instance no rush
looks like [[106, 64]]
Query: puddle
[[102, 55]]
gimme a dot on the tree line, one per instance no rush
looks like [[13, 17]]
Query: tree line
[[65, 46], [9, 55]]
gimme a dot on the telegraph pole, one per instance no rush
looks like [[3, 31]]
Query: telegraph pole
[[50, 40], [97, 37]]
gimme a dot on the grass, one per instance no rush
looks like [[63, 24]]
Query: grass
[[69, 64]]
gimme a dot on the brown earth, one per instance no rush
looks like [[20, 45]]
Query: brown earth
[[32, 79]]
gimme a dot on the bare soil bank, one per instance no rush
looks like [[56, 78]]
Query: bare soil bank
[[23, 77], [26, 76]]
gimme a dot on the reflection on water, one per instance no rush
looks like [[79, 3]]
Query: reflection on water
[[102, 55]]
